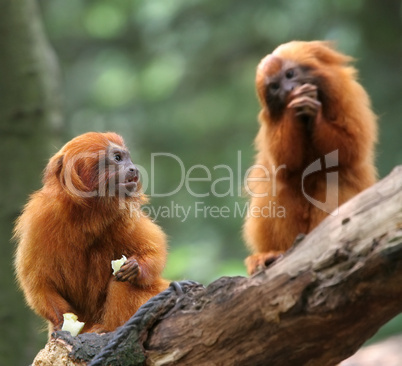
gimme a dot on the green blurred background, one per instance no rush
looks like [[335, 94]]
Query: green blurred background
[[177, 76]]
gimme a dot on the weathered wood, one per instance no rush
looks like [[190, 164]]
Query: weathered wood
[[315, 306]]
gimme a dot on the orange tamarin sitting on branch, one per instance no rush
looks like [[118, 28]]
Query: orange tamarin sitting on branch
[[81, 220], [315, 145]]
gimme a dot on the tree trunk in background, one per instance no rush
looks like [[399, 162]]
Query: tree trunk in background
[[29, 115]]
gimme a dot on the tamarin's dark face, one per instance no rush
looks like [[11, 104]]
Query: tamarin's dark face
[[125, 173], [281, 78]]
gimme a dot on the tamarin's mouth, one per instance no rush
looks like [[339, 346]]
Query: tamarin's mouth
[[132, 179], [131, 183]]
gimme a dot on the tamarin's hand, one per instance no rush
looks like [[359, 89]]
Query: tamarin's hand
[[129, 271], [304, 101]]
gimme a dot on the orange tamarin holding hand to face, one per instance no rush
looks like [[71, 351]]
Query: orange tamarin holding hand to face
[[314, 115], [86, 215]]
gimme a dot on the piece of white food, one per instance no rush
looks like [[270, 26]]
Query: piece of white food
[[71, 324], [116, 265]]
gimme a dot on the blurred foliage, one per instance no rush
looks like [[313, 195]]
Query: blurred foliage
[[177, 77]]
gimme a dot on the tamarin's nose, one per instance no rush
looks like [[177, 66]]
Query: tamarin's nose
[[133, 172], [133, 168], [288, 87]]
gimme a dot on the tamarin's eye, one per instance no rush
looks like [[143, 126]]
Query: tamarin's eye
[[290, 73], [117, 157]]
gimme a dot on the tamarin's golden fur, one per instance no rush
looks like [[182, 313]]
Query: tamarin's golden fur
[[83, 218], [312, 108]]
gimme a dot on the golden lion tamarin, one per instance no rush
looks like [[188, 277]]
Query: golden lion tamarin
[[81, 220], [315, 145]]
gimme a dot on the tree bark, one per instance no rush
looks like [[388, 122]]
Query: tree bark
[[315, 306], [29, 114]]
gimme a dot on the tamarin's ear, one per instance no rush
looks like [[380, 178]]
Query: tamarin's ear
[[53, 168]]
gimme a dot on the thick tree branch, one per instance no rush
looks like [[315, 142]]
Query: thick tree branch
[[315, 306]]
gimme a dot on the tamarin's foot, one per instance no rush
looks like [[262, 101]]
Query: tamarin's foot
[[260, 261]]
